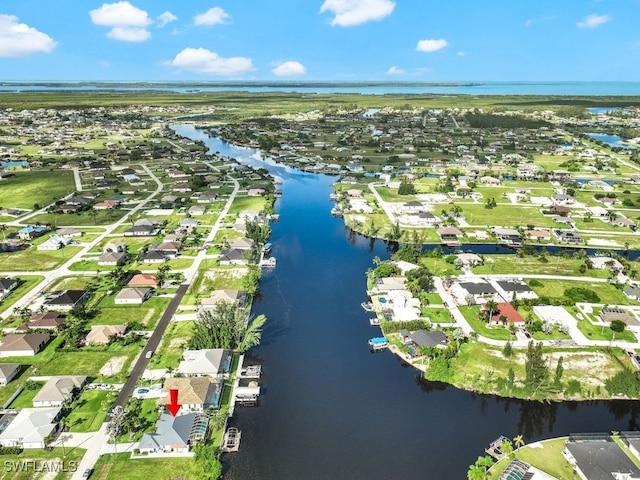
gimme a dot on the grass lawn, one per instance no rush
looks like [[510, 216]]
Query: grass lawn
[[434, 299], [120, 466], [480, 326], [89, 410], [504, 215], [247, 203], [41, 187], [13, 385], [391, 195], [28, 282], [600, 332], [438, 266], [25, 399], [170, 352], [530, 264], [102, 217], [40, 455], [555, 289], [148, 313], [74, 283], [436, 315], [546, 455], [34, 260]]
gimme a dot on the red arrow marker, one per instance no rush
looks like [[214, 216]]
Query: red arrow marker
[[173, 405]]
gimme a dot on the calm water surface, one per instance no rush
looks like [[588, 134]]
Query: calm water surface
[[330, 409]]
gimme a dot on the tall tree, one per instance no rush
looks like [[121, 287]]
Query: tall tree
[[536, 370]]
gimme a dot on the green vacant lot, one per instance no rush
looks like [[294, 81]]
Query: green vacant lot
[[39, 187], [32, 260], [39, 455], [89, 411], [120, 466]]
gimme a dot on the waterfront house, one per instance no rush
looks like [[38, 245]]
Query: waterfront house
[[599, 459], [31, 427], [450, 234], [175, 434], [389, 284], [510, 236], [405, 266], [235, 297], [132, 296], [538, 235], [212, 362], [194, 393], [8, 372], [241, 243], [57, 390], [233, 256], [429, 338], [23, 344], [605, 263], [102, 334], [468, 260], [567, 236]]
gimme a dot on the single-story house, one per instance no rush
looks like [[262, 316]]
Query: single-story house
[[514, 290], [102, 334], [466, 260], [113, 258], [58, 389], [45, 320], [504, 314], [538, 235], [213, 362], [23, 344], [595, 459], [32, 231], [632, 293], [429, 338], [115, 247], [7, 284], [232, 256], [143, 280], [132, 295], [241, 243], [175, 434], [480, 292], [8, 372], [197, 210], [194, 393], [66, 299], [152, 256], [608, 314], [449, 234], [31, 427], [236, 297]]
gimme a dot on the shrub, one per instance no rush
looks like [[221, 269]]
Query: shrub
[[580, 294]]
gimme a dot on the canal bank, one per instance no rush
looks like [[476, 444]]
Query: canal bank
[[329, 407]]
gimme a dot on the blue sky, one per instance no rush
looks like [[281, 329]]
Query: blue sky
[[316, 40]]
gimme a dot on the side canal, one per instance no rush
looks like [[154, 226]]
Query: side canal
[[329, 407]]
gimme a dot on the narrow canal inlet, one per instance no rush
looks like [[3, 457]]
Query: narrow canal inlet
[[330, 409]]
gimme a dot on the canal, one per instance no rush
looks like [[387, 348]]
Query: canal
[[332, 409]]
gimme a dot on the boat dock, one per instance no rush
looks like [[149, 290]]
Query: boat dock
[[246, 388], [374, 322], [494, 450], [231, 440], [378, 343]]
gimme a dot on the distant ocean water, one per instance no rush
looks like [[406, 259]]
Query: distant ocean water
[[374, 88]]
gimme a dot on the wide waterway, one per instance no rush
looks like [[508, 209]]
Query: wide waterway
[[331, 409]]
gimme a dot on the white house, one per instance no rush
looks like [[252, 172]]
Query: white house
[[132, 296], [30, 427]]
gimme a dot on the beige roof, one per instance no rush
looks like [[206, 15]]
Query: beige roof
[[191, 390], [100, 334], [7, 369], [132, 293], [58, 389], [18, 342], [218, 296]]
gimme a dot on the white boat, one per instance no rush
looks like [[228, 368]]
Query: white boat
[[367, 306], [336, 211], [374, 322]]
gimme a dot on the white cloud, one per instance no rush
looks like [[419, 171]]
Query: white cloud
[[128, 23], [120, 14], [461, 54], [348, 13], [129, 34], [19, 39], [395, 71], [593, 21], [528, 23], [288, 69], [213, 16], [201, 60], [166, 18], [431, 45]]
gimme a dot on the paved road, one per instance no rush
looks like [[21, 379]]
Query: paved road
[[152, 346]]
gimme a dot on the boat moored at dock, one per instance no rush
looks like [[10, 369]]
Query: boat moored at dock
[[378, 343]]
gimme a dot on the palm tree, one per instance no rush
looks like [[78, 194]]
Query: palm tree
[[252, 334], [476, 472], [518, 441], [491, 307], [507, 447]]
